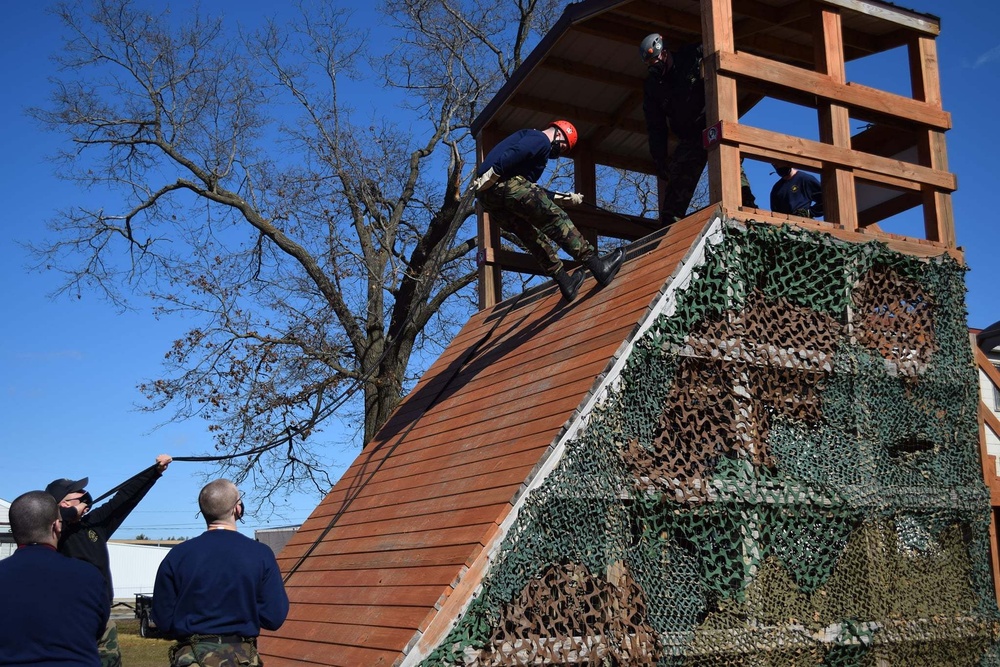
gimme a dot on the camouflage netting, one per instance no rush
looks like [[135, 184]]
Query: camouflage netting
[[787, 473]]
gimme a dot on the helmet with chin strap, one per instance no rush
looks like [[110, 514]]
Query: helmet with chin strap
[[651, 47], [568, 131]]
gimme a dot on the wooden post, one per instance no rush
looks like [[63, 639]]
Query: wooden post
[[490, 274], [585, 182], [939, 219], [839, 196], [720, 102]]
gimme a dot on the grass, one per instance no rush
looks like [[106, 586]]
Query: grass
[[139, 652]]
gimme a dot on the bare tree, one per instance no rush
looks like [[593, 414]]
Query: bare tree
[[314, 246]]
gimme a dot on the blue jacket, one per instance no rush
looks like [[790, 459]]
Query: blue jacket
[[524, 153], [219, 583], [53, 609], [801, 195]]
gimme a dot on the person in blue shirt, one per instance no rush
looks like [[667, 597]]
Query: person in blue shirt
[[214, 593], [796, 192], [53, 609], [506, 186]]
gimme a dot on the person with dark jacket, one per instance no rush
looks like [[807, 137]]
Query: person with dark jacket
[[86, 531], [53, 609], [796, 192], [215, 592], [673, 100], [506, 187]]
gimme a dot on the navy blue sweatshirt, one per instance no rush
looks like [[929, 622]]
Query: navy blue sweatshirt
[[801, 195], [219, 583], [524, 153], [52, 611]]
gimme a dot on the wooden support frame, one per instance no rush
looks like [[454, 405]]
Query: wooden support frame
[[721, 103], [898, 166]]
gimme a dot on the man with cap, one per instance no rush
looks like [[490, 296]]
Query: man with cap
[[215, 592], [673, 100], [86, 532], [53, 609], [506, 187]]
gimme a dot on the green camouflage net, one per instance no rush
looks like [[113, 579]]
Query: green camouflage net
[[787, 473]]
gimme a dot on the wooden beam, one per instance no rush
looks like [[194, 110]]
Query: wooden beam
[[579, 113], [592, 73], [939, 220], [903, 244], [720, 103], [766, 144], [854, 96], [897, 15], [488, 233], [839, 195]]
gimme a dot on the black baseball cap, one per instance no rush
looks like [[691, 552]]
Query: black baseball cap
[[61, 488]]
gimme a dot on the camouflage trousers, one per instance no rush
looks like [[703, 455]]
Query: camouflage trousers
[[525, 210], [683, 171], [107, 647], [203, 653]]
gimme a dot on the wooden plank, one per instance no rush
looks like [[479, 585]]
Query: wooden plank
[[467, 536], [764, 143], [852, 95], [404, 524], [839, 194], [455, 555], [490, 278], [909, 246], [416, 595], [279, 652], [721, 101], [498, 496], [385, 616], [308, 579], [366, 498], [902, 17], [939, 222]]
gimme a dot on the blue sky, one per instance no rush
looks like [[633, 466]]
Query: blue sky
[[69, 367]]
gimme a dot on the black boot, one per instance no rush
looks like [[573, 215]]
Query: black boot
[[569, 285], [606, 268]]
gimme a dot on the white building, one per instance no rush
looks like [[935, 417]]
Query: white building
[[6, 539], [133, 567]]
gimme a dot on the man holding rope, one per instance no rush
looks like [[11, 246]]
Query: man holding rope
[[86, 532]]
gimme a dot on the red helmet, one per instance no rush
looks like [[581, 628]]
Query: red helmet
[[568, 131]]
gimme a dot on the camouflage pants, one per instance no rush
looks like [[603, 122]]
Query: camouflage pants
[[214, 654], [683, 171], [524, 209], [107, 647]]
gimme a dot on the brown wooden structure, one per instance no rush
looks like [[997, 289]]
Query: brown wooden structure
[[387, 563], [587, 70]]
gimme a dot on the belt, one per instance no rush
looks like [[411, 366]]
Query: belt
[[217, 639]]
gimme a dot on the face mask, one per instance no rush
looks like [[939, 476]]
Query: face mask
[[555, 150], [783, 171], [659, 68]]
